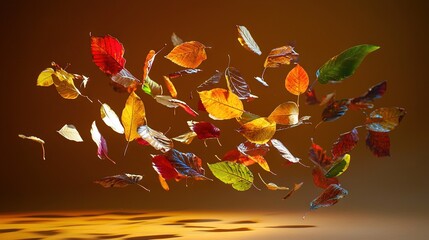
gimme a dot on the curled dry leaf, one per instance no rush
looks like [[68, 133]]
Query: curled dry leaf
[[107, 53], [378, 143], [185, 138], [320, 180], [124, 81], [110, 118], [335, 110], [174, 103], [237, 84], [259, 131], [330, 196], [121, 180], [236, 174], [253, 149], [311, 98], [210, 82], [156, 139], [100, 142], [184, 72], [339, 167], [385, 119], [221, 104], [272, 186], [297, 80], [170, 86], [284, 152], [70, 132], [176, 40], [280, 56], [246, 40], [204, 130], [262, 81], [188, 54], [133, 116], [345, 143], [319, 156], [151, 87], [365, 101], [285, 114], [38, 140], [295, 188]]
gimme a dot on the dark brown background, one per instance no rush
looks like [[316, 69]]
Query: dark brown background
[[34, 33]]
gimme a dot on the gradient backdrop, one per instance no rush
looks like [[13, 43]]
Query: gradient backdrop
[[34, 33]]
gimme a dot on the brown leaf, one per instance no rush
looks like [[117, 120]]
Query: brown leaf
[[295, 188], [281, 55], [121, 180]]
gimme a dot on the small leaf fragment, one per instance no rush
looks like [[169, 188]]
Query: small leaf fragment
[[70, 132], [272, 186], [170, 86], [35, 139], [295, 188]]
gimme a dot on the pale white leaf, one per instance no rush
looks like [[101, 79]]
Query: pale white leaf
[[111, 119], [70, 132], [247, 41]]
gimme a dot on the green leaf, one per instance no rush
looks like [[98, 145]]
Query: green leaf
[[236, 174], [344, 64], [340, 167]]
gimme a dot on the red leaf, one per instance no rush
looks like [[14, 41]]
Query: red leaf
[[164, 168], [204, 130], [329, 197], [378, 143], [345, 143], [365, 101], [235, 156], [201, 106], [142, 142], [320, 180], [335, 110], [319, 157], [184, 106], [311, 98], [107, 53]]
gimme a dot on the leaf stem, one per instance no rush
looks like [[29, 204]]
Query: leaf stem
[[138, 184]]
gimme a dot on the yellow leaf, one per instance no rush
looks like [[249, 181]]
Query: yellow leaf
[[188, 54], [285, 114], [297, 80], [260, 130], [65, 85], [272, 186], [45, 78], [133, 116], [221, 104], [261, 161], [170, 87], [185, 138]]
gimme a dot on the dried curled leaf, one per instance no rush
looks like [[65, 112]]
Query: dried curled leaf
[[35, 139], [285, 114], [121, 180], [272, 186], [221, 104], [210, 82], [297, 80], [329, 197], [236, 174], [237, 84], [183, 72], [246, 40], [100, 142], [365, 101], [110, 118], [385, 119], [188, 54], [253, 149], [70, 132], [124, 81], [335, 110], [185, 138], [133, 116], [174, 103], [107, 53], [151, 87], [295, 188], [176, 40], [345, 143], [378, 143], [156, 139], [286, 154], [260, 130], [280, 56]]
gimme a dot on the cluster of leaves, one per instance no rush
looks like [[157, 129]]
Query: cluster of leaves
[[224, 104]]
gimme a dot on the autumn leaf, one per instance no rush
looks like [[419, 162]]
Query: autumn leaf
[[156, 139], [236, 174], [185, 138], [284, 152], [378, 143], [183, 72], [164, 168], [204, 130], [385, 119], [107, 53], [175, 40], [150, 58], [280, 56], [260, 130], [311, 98], [344, 64], [253, 149], [124, 81], [187, 164], [339, 167], [188, 54], [35, 139], [330, 196], [210, 82], [175, 103], [70, 132], [319, 156], [297, 80], [365, 101], [45, 78], [285, 114], [262, 81], [335, 110], [295, 188], [237, 84], [246, 40], [100, 142], [345, 143], [247, 117], [110, 118], [170, 86], [151, 87], [238, 157], [320, 180], [272, 186], [133, 116], [221, 104], [121, 180]]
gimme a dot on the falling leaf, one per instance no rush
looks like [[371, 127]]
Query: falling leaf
[[344, 64], [345, 143], [188, 54], [100, 142], [121, 180], [237, 84], [124, 81], [247, 117], [297, 80], [107, 53], [151, 87], [38, 140], [84, 82], [186, 138], [295, 188], [221, 104], [246, 40], [378, 143], [260, 160], [133, 116], [272, 186], [170, 86], [385, 119], [184, 72], [311, 98], [187, 164], [320, 180], [262, 81], [327, 99], [175, 40], [45, 78], [236, 174], [260, 130], [238, 157], [365, 101], [148, 63], [285, 114], [335, 110], [339, 167], [174, 103], [253, 149], [164, 168], [329, 197], [156, 139], [211, 81], [70, 132], [66, 87], [163, 183], [110, 118], [281, 55], [204, 130], [286, 154], [319, 157]]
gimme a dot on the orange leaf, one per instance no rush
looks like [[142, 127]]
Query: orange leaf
[[296, 81], [279, 56], [259, 131], [285, 114], [148, 63], [188, 54], [170, 87], [221, 104]]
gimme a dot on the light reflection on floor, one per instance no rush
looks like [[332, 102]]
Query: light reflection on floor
[[206, 225]]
